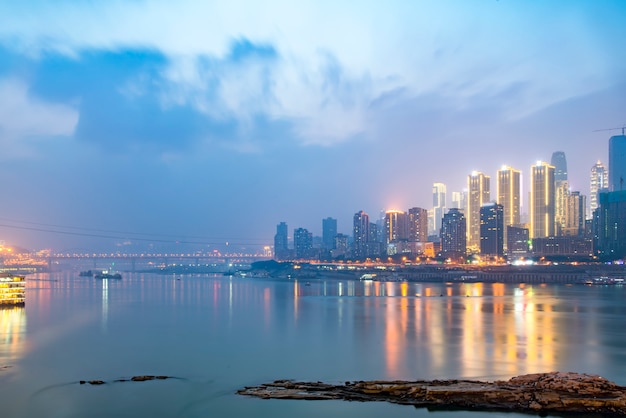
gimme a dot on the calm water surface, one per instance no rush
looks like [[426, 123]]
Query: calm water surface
[[218, 334]]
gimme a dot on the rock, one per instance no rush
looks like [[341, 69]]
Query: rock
[[539, 393]]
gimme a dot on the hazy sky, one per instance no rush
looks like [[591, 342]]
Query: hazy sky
[[213, 121]]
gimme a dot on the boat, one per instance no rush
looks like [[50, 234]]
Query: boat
[[87, 273], [12, 290], [107, 275]]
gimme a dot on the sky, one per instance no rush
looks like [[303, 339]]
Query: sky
[[144, 124]]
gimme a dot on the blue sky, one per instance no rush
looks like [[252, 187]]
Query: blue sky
[[213, 121]]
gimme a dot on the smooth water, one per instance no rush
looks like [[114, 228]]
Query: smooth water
[[217, 334]]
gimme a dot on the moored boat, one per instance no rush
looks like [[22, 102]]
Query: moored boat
[[12, 290]]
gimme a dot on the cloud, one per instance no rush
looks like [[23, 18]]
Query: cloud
[[25, 121]]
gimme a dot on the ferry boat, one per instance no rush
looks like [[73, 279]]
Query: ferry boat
[[12, 290], [107, 275]]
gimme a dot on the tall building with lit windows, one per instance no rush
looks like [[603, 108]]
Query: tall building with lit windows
[[542, 200], [559, 162], [453, 234], [396, 226], [281, 242], [439, 208], [477, 195], [508, 185], [361, 234], [492, 229], [303, 243], [599, 181], [418, 225]]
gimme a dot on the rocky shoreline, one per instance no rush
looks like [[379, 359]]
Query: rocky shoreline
[[541, 393]]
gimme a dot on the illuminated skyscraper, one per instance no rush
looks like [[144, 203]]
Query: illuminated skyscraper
[[396, 226], [492, 229], [617, 162], [439, 208], [542, 200], [303, 243], [453, 234], [418, 225], [599, 181], [477, 195], [574, 215], [509, 192], [561, 199], [361, 234]]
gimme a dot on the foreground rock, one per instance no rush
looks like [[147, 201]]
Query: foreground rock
[[540, 393]]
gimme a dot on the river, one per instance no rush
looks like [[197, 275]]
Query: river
[[216, 334]]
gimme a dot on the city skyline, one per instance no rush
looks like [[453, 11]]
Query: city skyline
[[125, 124]]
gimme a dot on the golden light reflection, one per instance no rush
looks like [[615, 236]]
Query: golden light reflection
[[12, 334]]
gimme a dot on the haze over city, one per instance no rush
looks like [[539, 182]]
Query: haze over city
[[126, 123]]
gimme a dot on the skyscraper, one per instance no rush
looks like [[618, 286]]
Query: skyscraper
[[559, 163], [561, 198], [574, 215], [453, 234], [303, 243], [509, 192], [458, 200], [610, 228], [477, 195], [492, 229], [281, 247], [361, 234], [599, 181], [617, 162], [329, 230], [542, 200], [439, 208], [396, 226], [418, 225]]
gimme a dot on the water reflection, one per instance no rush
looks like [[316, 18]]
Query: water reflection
[[12, 334]]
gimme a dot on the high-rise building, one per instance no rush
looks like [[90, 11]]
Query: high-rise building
[[302, 243], [599, 181], [509, 192], [329, 230], [458, 200], [396, 226], [574, 215], [617, 162], [418, 225], [559, 163], [439, 208], [360, 234], [477, 195], [561, 199], [542, 197], [453, 234], [281, 243], [518, 241], [492, 229], [610, 226]]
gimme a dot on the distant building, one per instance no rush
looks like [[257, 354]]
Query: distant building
[[281, 242], [561, 197], [418, 225], [617, 162], [509, 196], [517, 241], [477, 195], [542, 197], [610, 229], [303, 243], [453, 234], [574, 224], [559, 162], [565, 246], [341, 246], [396, 226], [329, 230], [360, 234], [492, 230], [599, 181], [459, 200], [439, 208]]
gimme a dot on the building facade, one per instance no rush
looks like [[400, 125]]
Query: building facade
[[454, 234], [492, 230], [599, 181], [329, 230], [396, 226], [542, 200], [418, 225], [617, 162], [360, 234], [438, 209], [610, 229], [303, 243], [477, 195], [509, 192], [281, 242]]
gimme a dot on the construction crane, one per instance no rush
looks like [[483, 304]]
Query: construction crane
[[623, 128]]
